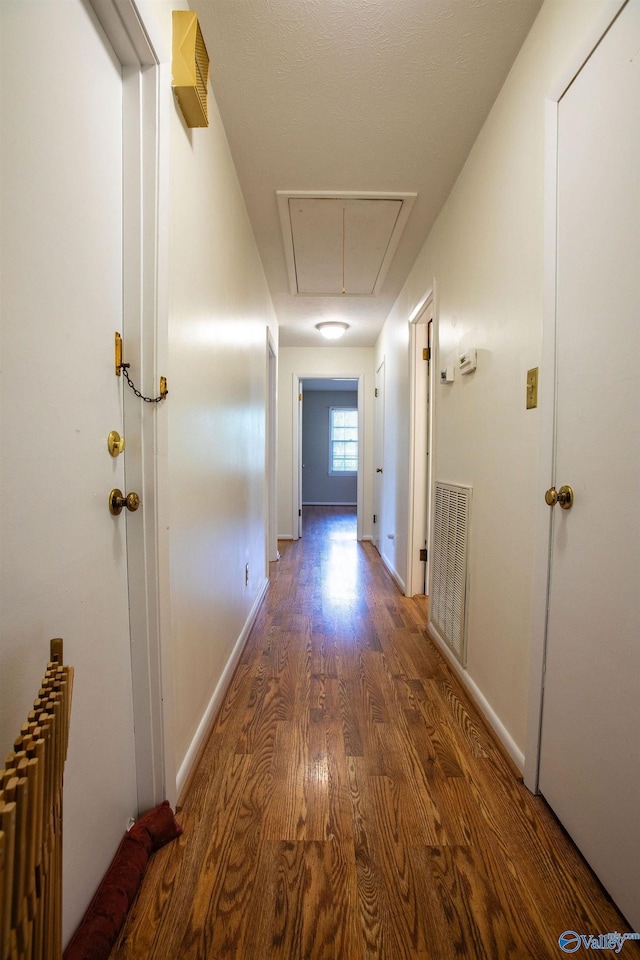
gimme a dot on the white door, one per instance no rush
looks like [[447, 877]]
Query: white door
[[590, 749], [64, 556], [378, 455]]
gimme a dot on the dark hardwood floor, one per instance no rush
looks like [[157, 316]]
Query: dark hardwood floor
[[351, 803]]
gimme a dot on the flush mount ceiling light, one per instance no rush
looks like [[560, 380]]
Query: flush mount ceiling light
[[332, 329]]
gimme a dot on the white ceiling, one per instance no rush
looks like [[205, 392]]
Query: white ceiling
[[372, 96]]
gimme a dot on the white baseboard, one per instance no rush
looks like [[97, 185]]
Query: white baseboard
[[215, 702], [394, 573], [480, 701]]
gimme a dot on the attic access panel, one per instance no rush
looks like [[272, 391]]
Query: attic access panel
[[337, 244]]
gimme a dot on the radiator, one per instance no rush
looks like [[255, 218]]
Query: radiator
[[448, 592], [31, 823]]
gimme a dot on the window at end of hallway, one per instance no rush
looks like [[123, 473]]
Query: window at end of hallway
[[343, 440]]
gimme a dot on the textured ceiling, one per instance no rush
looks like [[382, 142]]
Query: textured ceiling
[[354, 95]]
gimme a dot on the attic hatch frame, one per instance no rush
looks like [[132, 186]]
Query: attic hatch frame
[[284, 197]]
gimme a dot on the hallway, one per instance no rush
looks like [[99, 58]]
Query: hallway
[[350, 802]]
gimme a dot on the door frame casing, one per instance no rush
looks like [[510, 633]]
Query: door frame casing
[[378, 452], [145, 318], [271, 453], [547, 396], [421, 398], [297, 457]]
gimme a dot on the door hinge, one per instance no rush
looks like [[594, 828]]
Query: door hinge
[[299, 513], [299, 396], [376, 392], [426, 353], [423, 554], [375, 518]]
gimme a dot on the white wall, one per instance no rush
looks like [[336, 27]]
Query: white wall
[[219, 313], [321, 362], [486, 252]]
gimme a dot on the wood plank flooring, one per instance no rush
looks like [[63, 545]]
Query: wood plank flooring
[[351, 803]]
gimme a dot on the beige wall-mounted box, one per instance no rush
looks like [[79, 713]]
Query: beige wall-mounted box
[[190, 68]]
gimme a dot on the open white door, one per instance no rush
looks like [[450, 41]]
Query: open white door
[[589, 760]]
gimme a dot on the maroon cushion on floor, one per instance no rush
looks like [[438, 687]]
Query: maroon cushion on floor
[[100, 926]]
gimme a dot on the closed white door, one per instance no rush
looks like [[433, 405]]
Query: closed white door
[[590, 749], [64, 556]]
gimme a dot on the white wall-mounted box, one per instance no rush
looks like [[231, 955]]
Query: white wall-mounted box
[[468, 361]]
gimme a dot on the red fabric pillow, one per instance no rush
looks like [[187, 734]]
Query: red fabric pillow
[[159, 825], [100, 926]]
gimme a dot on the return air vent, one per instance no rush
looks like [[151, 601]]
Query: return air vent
[[448, 596], [341, 244], [190, 68]]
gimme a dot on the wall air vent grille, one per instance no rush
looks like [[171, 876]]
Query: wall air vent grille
[[448, 596], [190, 68]]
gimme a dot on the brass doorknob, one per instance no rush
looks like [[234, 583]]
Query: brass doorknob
[[117, 502], [563, 496]]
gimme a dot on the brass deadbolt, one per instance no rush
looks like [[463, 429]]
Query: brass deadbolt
[[563, 496], [117, 502], [115, 443]]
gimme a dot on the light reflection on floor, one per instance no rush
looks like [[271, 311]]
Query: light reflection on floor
[[340, 570], [335, 531], [342, 535]]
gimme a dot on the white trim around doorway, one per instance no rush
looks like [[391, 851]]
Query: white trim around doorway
[[145, 279], [421, 409]]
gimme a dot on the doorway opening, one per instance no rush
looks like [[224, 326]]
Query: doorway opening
[[329, 444]]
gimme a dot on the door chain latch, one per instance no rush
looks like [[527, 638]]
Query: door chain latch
[[122, 368]]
